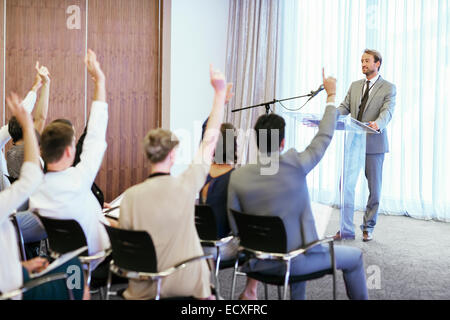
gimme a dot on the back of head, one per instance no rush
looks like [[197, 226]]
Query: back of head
[[158, 143], [226, 148], [15, 130], [269, 133], [56, 137]]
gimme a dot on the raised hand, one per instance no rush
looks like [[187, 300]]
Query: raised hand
[[93, 66], [330, 86], [230, 93], [217, 80], [43, 73], [15, 106]]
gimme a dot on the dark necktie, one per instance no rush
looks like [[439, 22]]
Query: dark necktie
[[364, 101]]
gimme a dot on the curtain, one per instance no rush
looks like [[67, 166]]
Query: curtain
[[252, 58], [413, 37]]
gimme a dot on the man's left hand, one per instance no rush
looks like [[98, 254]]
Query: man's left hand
[[373, 125]]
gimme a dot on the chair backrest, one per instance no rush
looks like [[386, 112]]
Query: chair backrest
[[20, 240], [133, 250], [205, 222], [64, 235], [262, 233]]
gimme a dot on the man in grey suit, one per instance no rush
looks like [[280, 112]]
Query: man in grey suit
[[371, 100], [285, 194]]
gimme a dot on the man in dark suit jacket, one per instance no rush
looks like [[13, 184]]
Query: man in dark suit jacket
[[371, 100], [285, 194]]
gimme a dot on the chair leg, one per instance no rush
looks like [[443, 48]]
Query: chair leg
[[233, 284], [216, 274], [279, 292], [89, 276], [108, 285], [333, 265], [158, 289], [286, 279]]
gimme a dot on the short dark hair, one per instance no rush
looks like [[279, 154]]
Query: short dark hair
[[56, 137], [269, 126], [15, 130], [376, 56], [158, 143], [61, 120], [226, 150], [16, 133]]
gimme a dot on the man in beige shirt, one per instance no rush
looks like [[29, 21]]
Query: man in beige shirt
[[164, 207]]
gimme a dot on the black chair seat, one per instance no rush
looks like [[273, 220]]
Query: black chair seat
[[279, 280]]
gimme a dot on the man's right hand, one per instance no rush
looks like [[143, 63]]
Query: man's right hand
[[43, 73], [330, 86], [93, 67]]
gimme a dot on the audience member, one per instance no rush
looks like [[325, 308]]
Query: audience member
[[285, 194], [214, 192], [163, 206], [66, 191], [14, 156], [28, 104]]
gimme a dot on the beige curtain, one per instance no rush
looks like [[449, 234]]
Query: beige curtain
[[252, 64]]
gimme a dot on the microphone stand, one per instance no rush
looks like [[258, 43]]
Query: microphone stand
[[268, 103]]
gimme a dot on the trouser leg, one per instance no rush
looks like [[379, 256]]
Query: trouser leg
[[374, 175]]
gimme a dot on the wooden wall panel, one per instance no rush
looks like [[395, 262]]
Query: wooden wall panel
[[37, 31], [125, 36]]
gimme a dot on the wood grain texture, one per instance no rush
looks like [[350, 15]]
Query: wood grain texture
[[125, 36], [37, 31]]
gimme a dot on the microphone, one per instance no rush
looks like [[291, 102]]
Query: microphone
[[314, 93]]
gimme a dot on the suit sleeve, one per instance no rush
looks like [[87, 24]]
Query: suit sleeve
[[309, 158], [344, 108], [387, 109]]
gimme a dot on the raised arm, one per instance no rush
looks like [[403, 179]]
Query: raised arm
[[309, 158], [208, 144], [41, 111], [94, 145], [31, 174]]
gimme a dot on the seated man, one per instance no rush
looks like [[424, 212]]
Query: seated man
[[12, 273], [66, 190], [285, 194]]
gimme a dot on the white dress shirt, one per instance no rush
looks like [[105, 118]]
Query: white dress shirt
[[10, 268], [67, 194], [28, 103], [371, 84]]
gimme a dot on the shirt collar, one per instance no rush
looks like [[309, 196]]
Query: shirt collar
[[373, 80]]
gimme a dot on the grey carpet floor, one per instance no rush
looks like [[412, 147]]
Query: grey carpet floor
[[408, 259]]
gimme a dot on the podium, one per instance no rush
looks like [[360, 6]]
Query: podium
[[350, 140]]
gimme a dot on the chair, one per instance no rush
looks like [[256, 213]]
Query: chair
[[67, 235], [35, 283], [264, 238], [134, 257], [206, 224]]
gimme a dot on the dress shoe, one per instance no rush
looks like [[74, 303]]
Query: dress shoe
[[367, 236], [338, 237]]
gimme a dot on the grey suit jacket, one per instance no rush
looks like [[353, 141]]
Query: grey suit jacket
[[284, 194], [379, 108]]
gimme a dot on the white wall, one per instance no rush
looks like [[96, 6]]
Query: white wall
[[198, 37]]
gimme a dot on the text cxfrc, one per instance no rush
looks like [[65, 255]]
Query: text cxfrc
[[248, 309]]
